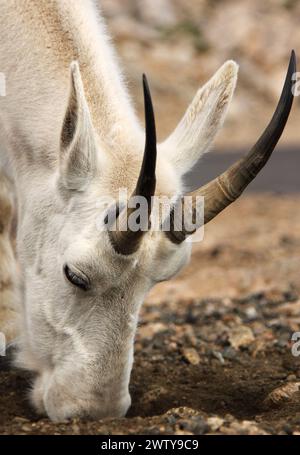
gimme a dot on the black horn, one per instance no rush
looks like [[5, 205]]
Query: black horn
[[126, 241]]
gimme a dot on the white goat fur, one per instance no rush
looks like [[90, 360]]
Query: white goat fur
[[80, 345]]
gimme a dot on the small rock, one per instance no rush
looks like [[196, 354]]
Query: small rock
[[195, 425], [282, 394], [182, 433], [241, 336], [172, 347], [218, 355], [151, 329], [229, 418], [191, 356], [138, 346], [229, 353], [171, 420], [75, 428], [215, 423], [26, 428], [246, 427], [251, 313], [287, 429], [290, 309]]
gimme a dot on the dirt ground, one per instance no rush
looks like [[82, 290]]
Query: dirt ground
[[213, 349]]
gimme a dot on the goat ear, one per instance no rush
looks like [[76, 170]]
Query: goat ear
[[77, 141], [202, 120]]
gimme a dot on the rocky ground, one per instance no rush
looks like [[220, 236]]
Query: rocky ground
[[214, 348]]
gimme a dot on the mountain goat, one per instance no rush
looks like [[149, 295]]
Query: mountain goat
[[70, 137]]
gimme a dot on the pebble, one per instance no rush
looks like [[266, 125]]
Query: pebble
[[191, 356], [287, 429], [245, 427], [240, 336], [151, 329], [215, 423], [75, 428], [172, 347], [229, 353], [218, 355], [251, 313], [26, 428], [282, 394], [196, 425]]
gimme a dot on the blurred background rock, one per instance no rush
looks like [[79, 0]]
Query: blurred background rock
[[181, 43]]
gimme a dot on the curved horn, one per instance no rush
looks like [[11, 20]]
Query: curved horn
[[225, 189], [124, 240]]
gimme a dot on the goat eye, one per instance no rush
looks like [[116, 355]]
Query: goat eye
[[76, 280]]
